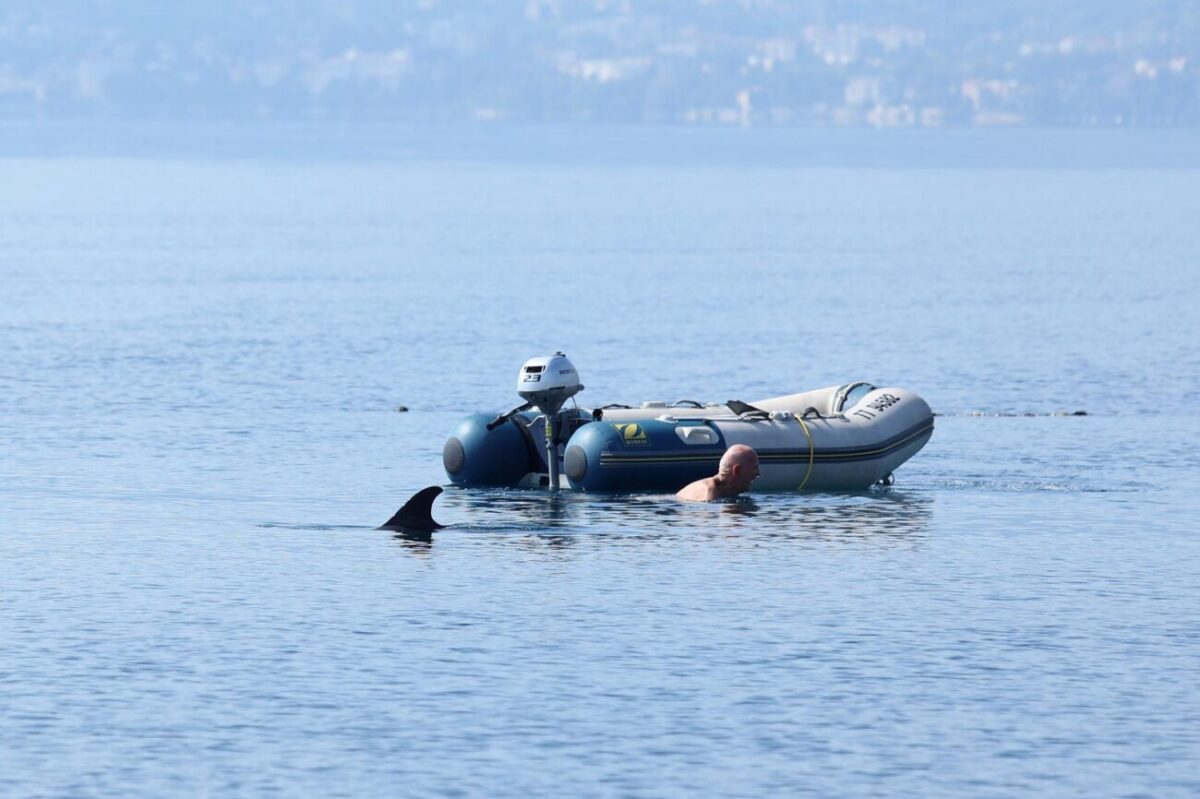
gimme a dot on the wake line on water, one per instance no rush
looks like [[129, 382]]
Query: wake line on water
[[323, 527], [1028, 486], [1012, 413]]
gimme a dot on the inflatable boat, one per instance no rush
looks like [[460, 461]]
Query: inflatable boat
[[844, 437]]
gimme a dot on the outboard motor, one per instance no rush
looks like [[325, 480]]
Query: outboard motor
[[546, 382], [503, 450]]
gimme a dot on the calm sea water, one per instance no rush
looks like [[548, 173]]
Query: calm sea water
[[204, 350]]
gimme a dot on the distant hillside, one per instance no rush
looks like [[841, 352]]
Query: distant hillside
[[907, 63]]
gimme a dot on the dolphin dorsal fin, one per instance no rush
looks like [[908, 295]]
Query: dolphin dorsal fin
[[417, 512]]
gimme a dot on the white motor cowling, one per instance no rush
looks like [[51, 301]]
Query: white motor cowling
[[548, 381]]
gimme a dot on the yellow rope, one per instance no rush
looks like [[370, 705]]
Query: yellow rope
[[808, 433]]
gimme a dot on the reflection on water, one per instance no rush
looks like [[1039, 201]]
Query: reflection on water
[[416, 542], [567, 519]]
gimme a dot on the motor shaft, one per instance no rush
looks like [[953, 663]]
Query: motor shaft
[[552, 450]]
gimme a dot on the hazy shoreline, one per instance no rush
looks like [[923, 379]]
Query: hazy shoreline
[[605, 144]]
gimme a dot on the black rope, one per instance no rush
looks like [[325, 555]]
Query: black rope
[[504, 417]]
